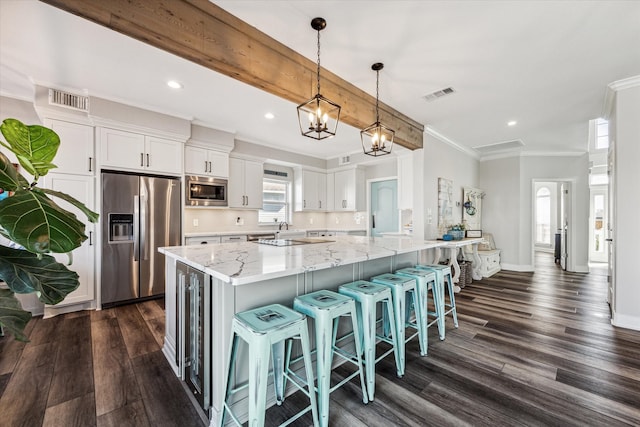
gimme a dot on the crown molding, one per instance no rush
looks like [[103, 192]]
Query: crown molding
[[434, 133], [612, 88]]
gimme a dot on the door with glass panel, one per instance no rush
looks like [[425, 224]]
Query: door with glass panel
[[598, 225]]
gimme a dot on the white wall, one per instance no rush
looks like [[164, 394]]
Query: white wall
[[625, 127], [508, 205], [500, 179], [441, 161]]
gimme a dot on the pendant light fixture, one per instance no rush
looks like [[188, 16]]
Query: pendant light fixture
[[377, 139], [318, 117]]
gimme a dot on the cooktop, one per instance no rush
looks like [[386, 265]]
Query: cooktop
[[291, 242]]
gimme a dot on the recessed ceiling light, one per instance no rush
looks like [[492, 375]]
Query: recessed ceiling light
[[269, 116], [512, 123], [174, 84]]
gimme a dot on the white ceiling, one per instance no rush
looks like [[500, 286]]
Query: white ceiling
[[545, 64]]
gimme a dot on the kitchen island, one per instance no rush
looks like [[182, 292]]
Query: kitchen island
[[240, 276]]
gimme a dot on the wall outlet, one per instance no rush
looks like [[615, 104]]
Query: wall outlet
[[195, 222], [337, 220], [311, 221], [239, 221]]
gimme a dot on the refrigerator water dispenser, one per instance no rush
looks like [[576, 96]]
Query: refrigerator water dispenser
[[120, 228]]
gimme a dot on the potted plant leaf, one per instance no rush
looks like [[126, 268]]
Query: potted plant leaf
[[35, 225]]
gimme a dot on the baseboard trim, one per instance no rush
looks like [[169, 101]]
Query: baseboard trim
[[625, 321], [518, 267], [582, 269]]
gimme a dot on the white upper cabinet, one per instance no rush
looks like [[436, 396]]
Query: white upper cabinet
[[349, 190], [76, 154], [163, 155], [133, 151], [245, 183], [310, 190], [204, 162]]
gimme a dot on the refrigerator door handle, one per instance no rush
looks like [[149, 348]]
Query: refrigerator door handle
[[144, 248], [136, 228]]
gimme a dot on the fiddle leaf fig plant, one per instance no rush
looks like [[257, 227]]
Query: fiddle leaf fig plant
[[35, 225]]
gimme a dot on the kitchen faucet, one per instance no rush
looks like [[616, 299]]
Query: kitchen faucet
[[283, 223]]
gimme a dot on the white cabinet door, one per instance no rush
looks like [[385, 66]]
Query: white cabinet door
[[76, 153], [245, 184], [196, 161], [236, 183], [218, 164], [163, 155], [81, 188], [253, 175], [133, 151], [349, 190], [310, 191], [122, 149], [331, 192], [200, 161]]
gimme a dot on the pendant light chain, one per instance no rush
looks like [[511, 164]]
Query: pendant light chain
[[377, 94], [318, 72]]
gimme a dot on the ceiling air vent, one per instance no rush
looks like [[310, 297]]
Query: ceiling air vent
[[344, 160], [438, 94], [499, 146], [68, 100]]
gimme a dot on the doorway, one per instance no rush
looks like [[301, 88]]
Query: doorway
[[553, 231], [597, 225], [383, 207]]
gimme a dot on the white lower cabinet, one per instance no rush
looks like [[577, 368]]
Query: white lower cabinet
[[490, 262], [204, 240], [81, 188]]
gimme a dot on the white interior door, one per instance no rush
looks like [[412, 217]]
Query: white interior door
[[383, 210], [565, 215], [598, 251]]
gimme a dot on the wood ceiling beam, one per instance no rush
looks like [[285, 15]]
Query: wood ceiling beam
[[201, 32]]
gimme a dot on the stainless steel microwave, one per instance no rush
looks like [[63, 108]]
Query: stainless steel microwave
[[206, 191]]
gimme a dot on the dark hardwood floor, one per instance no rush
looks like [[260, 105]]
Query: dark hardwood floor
[[532, 349]]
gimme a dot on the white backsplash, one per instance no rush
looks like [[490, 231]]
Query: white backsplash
[[227, 220]]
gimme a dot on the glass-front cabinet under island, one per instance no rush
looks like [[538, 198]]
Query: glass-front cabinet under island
[[206, 285]]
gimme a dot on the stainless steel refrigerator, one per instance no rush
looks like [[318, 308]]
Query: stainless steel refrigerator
[[140, 214]]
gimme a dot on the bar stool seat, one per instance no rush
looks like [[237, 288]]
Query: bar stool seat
[[326, 308], [443, 275], [426, 280], [367, 296], [265, 331], [402, 286]]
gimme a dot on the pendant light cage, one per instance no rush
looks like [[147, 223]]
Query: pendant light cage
[[377, 139], [319, 116]]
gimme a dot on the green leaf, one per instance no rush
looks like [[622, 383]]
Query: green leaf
[[10, 179], [12, 317], [32, 220], [35, 146], [25, 272], [91, 215]]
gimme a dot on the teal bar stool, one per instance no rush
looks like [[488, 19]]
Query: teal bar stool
[[426, 280], [443, 275], [326, 308], [402, 286], [367, 296], [265, 330]]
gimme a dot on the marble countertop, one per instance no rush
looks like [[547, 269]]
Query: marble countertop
[[248, 262], [241, 232]]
